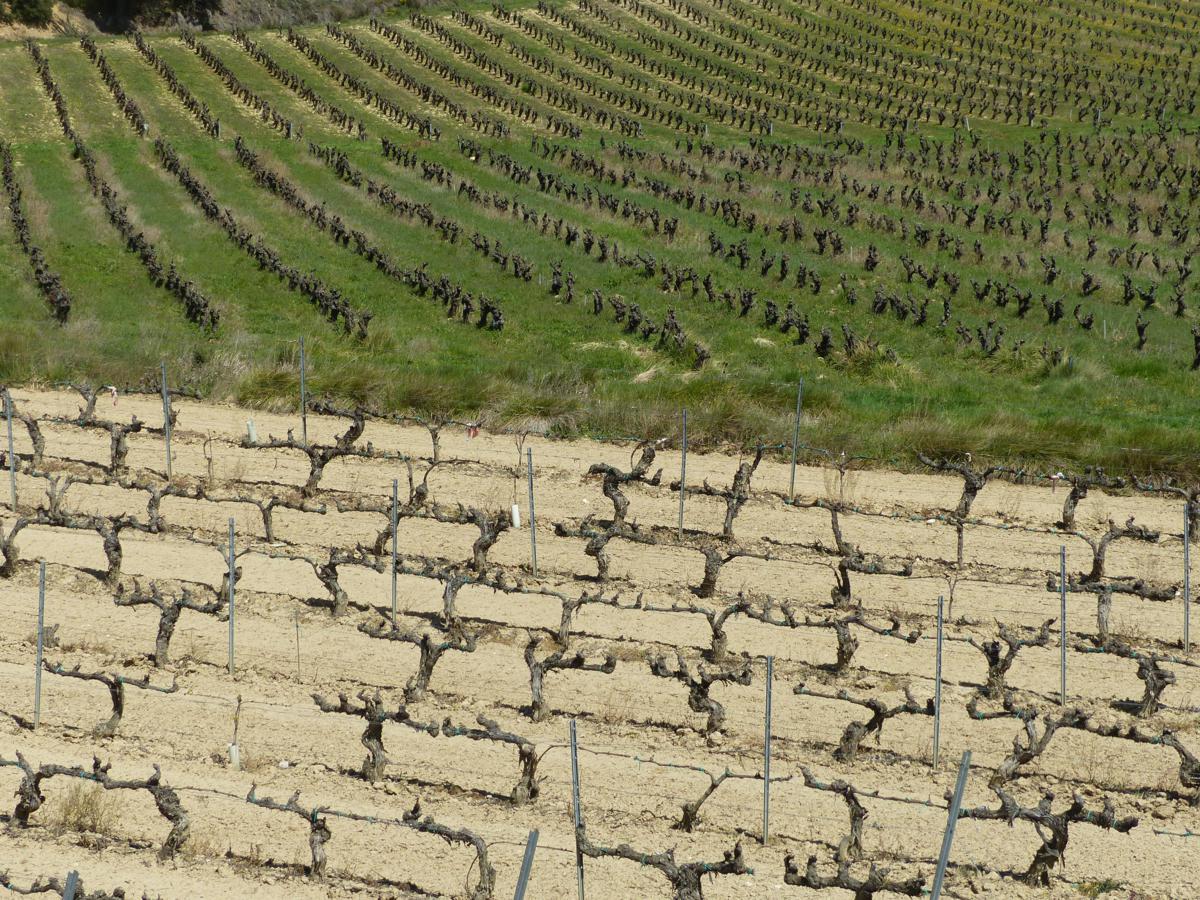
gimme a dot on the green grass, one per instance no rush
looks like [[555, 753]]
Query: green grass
[[556, 366], [1098, 888]]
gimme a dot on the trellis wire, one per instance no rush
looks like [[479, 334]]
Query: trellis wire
[[37, 674], [948, 838]]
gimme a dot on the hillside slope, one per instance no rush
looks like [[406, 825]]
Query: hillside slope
[[967, 227]]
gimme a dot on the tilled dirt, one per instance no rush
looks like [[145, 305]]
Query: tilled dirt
[[630, 723]]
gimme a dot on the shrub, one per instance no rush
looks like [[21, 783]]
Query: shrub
[[86, 808], [32, 12]]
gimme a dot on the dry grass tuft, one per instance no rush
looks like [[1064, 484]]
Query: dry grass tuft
[[86, 808]]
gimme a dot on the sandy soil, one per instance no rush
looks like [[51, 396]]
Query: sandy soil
[[289, 647]]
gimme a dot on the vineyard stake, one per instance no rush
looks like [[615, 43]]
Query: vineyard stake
[[948, 838], [795, 440], [1062, 624], [303, 397], [767, 753], [395, 526], [683, 474], [166, 402], [937, 687], [208, 455], [297, 615], [1187, 581], [12, 457], [577, 810], [37, 674], [526, 865], [232, 605], [532, 518], [71, 886], [235, 753]]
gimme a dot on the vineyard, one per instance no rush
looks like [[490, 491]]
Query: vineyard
[[967, 228], [654, 448], [345, 662]]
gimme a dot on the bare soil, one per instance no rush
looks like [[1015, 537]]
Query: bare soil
[[290, 647]]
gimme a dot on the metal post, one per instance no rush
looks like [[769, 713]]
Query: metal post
[[71, 886], [1187, 579], [303, 397], [532, 517], [948, 838], [166, 401], [767, 754], [577, 810], [297, 616], [232, 604], [937, 687], [526, 865], [796, 440], [395, 528], [37, 674], [12, 456], [1062, 624], [683, 474]]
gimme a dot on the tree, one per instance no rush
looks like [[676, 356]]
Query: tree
[[32, 12], [119, 15]]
